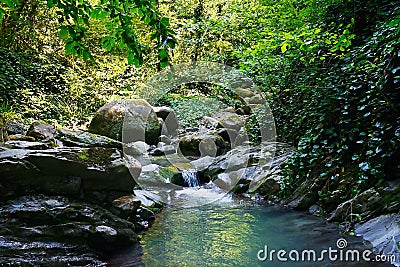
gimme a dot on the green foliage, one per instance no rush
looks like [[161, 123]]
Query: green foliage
[[347, 117], [75, 18], [33, 90], [40, 91], [201, 28], [190, 109], [7, 114]]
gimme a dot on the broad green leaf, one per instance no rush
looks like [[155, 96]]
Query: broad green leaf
[[164, 64], [86, 55], [164, 21], [69, 48], [394, 22], [284, 47], [50, 3], [163, 54], [63, 33], [131, 58], [136, 61]]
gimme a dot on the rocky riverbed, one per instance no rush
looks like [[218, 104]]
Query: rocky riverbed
[[76, 197]]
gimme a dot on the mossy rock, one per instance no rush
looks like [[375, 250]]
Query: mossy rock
[[203, 145], [85, 139], [41, 131], [127, 121]]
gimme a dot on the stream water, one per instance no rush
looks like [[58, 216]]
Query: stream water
[[231, 232], [191, 178]]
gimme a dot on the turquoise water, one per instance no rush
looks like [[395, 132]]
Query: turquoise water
[[231, 233]]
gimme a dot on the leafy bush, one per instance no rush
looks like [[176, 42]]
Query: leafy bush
[[347, 120], [33, 90], [190, 109]]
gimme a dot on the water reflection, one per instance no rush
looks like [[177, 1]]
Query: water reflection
[[231, 235]]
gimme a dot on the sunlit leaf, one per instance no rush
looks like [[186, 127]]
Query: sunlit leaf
[[284, 47]]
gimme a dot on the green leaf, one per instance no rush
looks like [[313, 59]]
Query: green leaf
[[284, 47], [11, 3], [2, 12], [131, 58], [163, 54], [50, 3], [394, 22], [164, 21], [86, 55], [70, 48], [63, 33], [137, 61], [164, 64]]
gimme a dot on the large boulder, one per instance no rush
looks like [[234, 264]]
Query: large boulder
[[228, 125], [247, 166], [67, 171], [226, 181], [203, 145], [128, 121], [169, 120]]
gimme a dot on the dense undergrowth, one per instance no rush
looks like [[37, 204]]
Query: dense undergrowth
[[346, 121], [329, 69]]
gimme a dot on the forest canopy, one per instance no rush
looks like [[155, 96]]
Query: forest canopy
[[118, 18]]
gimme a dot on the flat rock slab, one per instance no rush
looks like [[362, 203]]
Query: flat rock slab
[[66, 171]]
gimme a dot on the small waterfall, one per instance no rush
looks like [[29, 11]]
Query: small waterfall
[[191, 177]]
